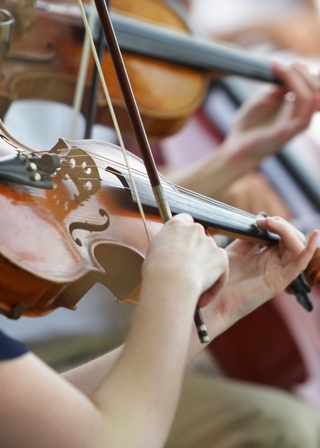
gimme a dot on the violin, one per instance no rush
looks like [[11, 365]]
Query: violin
[[79, 196], [169, 69], [6, 31], [23, 12], [29, 171]]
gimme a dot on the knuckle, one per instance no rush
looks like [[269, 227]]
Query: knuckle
[[198, 226]]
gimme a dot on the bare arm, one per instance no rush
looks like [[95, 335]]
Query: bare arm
[[252, 281], [262, 126], [278, 30], [139, 384]]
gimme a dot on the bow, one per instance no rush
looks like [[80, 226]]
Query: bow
[[137, 126]]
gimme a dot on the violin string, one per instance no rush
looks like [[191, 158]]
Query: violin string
[[114, 119], [180, 189], [169, 187], [112, 113]]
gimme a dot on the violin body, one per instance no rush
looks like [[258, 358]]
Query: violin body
[[59, 239], [57, 243], [54, 248], [97, 240], [44, 65], [169, 69]]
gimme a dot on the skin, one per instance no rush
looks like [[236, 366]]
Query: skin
[[261, 127], [303, 20], [128, 397], [137, 386], [263, 124]]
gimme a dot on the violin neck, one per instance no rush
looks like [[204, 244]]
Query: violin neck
[[179, 48], [172, 46], [219, 218]]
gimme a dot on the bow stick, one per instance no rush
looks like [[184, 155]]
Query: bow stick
[[138, 129]]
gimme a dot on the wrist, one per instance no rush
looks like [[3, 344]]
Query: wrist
[[176, 288], [227, 165], [240, 157]]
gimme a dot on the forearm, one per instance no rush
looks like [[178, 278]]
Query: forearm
[[252, 32], [140, 382], [311, 5], [144, 385], [89, 376], [212, 175]]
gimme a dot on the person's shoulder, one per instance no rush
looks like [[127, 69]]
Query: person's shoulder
[[10, 348]]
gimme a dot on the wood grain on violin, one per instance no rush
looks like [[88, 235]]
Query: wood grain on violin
[[56, 243], [45, 63], [60, 241], [99, 239], [169, 71]]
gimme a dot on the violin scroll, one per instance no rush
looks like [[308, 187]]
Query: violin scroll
[[6, 30], [23, 12]]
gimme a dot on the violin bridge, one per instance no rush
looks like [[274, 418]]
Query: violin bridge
[[83, 171]]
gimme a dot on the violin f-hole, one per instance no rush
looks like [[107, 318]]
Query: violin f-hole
[[89, 227]]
